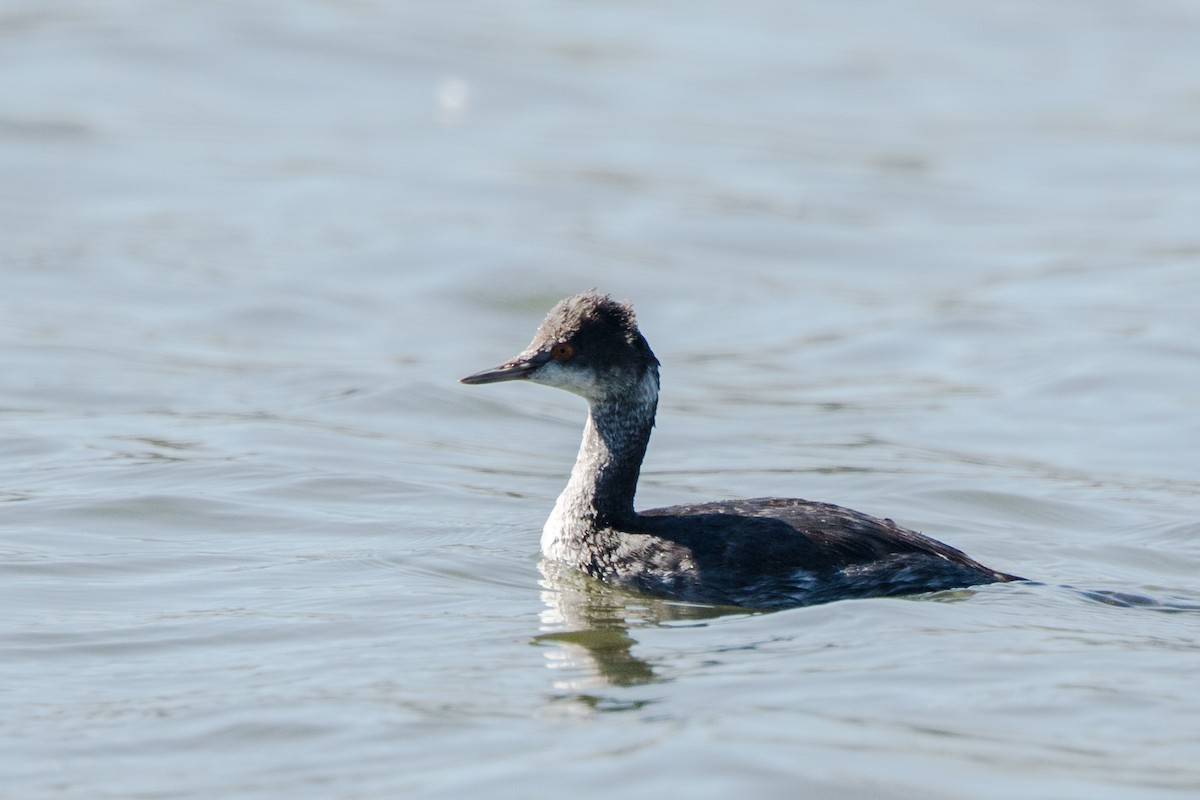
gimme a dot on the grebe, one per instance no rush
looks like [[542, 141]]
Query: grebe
[[761, 553]]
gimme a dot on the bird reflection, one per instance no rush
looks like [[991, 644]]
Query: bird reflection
[[586, 635]]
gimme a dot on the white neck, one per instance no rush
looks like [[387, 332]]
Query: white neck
[[603, 482]]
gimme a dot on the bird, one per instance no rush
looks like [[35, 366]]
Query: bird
[[763, 553]]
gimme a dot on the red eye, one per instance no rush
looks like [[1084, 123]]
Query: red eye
[[562, 351]]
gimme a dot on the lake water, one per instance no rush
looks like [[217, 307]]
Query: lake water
[[935, 262]]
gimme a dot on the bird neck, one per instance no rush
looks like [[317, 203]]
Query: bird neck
[[604, 480]]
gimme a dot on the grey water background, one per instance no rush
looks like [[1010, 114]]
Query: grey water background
[[938, 262]]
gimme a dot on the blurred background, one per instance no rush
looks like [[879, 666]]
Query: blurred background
[[935, 261]]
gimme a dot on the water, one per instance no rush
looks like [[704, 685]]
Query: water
[[937, 263]]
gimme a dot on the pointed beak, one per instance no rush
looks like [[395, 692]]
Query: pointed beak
[[519, 367]]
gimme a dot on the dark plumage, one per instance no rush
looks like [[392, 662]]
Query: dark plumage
[[759, 553]]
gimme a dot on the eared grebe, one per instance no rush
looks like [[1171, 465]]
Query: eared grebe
[[762, 553]]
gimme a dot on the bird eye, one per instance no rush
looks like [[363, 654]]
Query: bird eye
[[562, 351]]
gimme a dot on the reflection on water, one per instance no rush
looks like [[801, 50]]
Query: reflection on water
[[588, 628], [589, 624]]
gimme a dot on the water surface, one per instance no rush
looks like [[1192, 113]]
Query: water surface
[[935, 263]]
